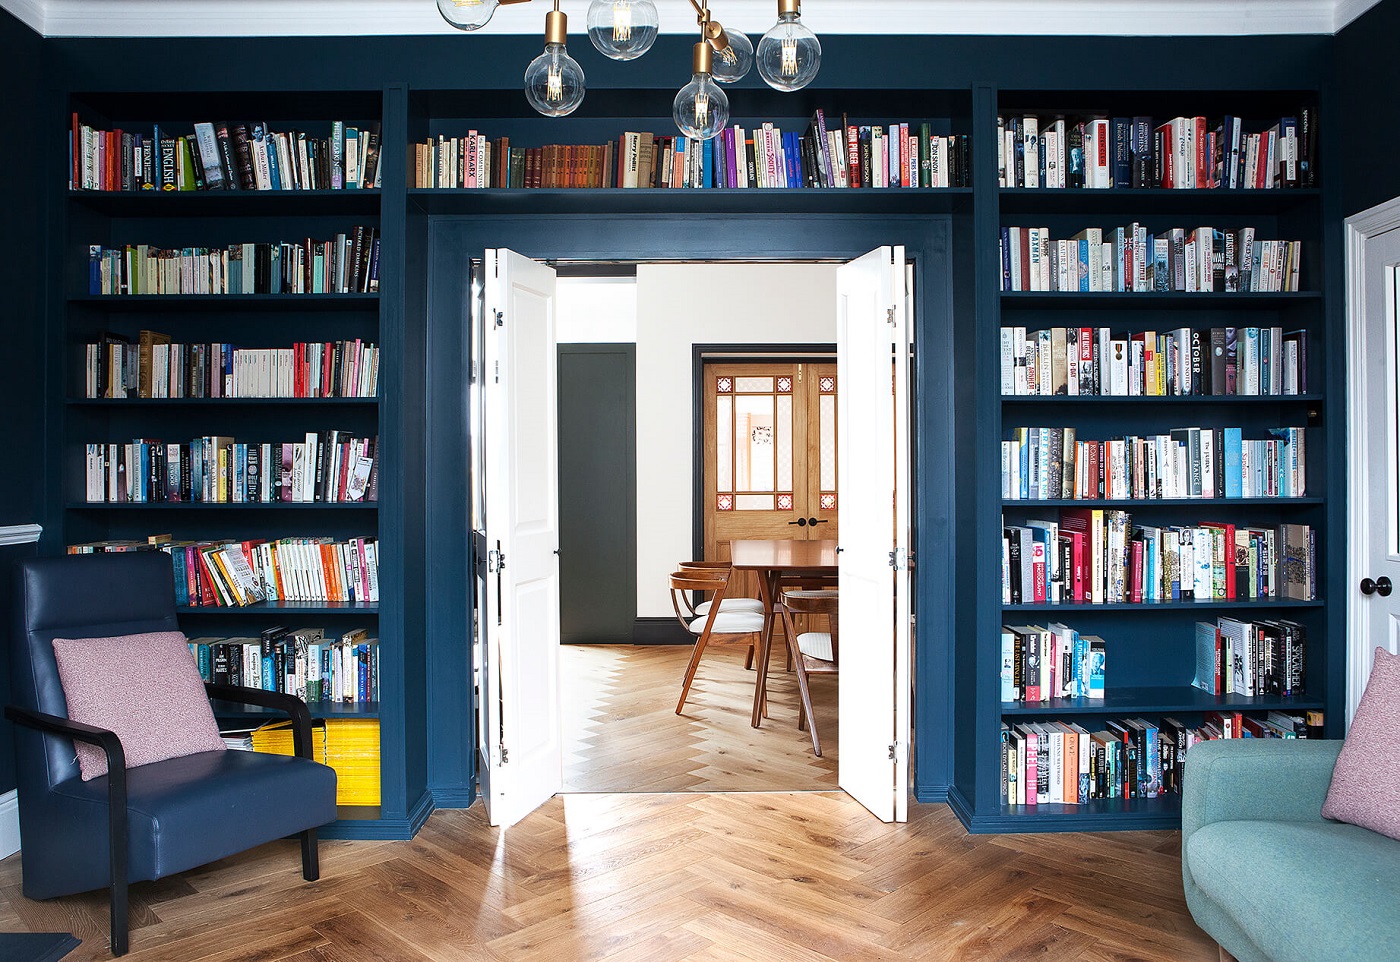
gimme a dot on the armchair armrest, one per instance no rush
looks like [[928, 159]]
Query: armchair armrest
[[293, 706], [111, 745], [1256, 778]]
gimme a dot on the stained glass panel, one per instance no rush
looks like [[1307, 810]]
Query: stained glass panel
[[725, 502], [784, 502], [784, 385], [724, 424], [828, 502], [828, 384], [724, 385], [753, 385]]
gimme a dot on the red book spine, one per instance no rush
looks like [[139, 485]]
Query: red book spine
[[1136, 597]]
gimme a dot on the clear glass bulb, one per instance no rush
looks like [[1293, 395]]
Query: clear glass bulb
[[623, 29], [554, 82], [467, 14], [734, 61], [701, 108], [789, 55]]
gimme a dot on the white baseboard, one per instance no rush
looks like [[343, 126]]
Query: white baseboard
[[9, 824]]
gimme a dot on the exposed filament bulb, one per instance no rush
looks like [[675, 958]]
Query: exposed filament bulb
[[789, 65], [622, 21]]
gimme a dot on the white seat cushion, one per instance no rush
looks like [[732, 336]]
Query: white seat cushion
[[730, 623], [731, 604], [816, 644]]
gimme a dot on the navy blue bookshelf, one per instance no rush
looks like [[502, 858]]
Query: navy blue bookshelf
[[1151, 646]]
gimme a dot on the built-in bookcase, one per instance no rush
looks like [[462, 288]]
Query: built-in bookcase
[[180, 219], [1151, 648]]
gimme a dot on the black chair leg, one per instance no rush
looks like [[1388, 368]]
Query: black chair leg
[[119, 921], [310, 864]]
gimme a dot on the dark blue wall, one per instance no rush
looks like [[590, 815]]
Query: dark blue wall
[[479, 75], [22, 280], [1368, 76]]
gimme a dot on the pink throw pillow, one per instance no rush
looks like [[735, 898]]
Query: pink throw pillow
[[1365, 786], [146, 688]]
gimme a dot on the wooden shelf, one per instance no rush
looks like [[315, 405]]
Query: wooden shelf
[[263, 608], [608, 200], [1205, 604], [1028, 200], [1158, 700], [233, 710], [227, 203], [1140, 503], [184, 303], [1260, 300]]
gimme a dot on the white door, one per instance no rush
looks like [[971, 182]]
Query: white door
[[872, 463], [520, 610], [1373, 297]]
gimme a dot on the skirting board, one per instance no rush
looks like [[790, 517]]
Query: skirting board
[[9, 823], [660, 631]]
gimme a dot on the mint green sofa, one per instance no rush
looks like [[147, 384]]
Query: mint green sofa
[[1266, 875]]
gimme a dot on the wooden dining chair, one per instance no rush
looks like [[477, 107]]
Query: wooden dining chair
[[716, 625], [815, 652], [728, 604]]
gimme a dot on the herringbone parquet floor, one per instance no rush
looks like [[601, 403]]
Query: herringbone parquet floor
[[807, 877], [622, 733], [690, 875]]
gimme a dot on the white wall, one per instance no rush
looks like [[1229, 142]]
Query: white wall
[[596, 310], [679, 305]]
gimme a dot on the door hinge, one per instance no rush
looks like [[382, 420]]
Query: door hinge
[[899, 559], [889, 316], [505, 754], [495, 561], [500, 319], [892, 747]]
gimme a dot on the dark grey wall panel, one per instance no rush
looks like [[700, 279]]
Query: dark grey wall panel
[[597, 492]]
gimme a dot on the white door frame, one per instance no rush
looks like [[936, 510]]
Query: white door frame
[[1360, 228]]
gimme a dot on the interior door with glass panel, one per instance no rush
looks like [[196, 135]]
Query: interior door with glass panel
[[770, 454]]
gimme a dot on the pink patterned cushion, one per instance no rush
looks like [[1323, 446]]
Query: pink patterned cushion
[[145, 688], [1365, 787]]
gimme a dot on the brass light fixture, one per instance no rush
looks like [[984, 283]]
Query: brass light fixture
[[788, 56]]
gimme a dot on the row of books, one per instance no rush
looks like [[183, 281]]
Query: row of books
[[1050, 464], [222, 156], [893, 155], [330, 466], [220, 573], [1138, 152], [1099, 556], [1130, 259], [1041, 662], [1251, 657], [154, 367], [345, 264], [1245, 361], [1054, 762], [301, 662]]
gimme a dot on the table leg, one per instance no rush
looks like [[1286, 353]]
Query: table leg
[[767, 589]]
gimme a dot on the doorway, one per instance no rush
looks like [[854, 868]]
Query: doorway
[[675, 239]]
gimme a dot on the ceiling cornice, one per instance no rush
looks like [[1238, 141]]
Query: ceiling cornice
[[227, 18]]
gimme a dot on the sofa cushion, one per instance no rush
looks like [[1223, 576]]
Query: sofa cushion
[[1365, 787], [1303, 891], [145, 688]]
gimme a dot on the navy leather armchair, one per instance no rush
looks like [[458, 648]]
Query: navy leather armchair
[[154, 820]]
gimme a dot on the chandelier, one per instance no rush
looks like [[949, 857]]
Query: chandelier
[[788, 56]]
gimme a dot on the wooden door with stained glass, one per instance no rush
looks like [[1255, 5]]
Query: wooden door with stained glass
[[770, 454]]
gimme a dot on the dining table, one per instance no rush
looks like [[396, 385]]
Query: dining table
[[773, 562]]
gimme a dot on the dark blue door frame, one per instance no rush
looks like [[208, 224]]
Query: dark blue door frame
[[454, 240]]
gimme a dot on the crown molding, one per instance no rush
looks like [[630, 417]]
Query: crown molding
[[239, 18]]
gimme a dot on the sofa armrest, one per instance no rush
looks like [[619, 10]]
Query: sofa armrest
[[1256, 778]]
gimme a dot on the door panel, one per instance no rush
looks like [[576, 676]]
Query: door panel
[[1376, 420], [764, 460], [520, 669], [874, 677]]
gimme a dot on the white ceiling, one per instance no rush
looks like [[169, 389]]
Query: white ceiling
[[225, 18]]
